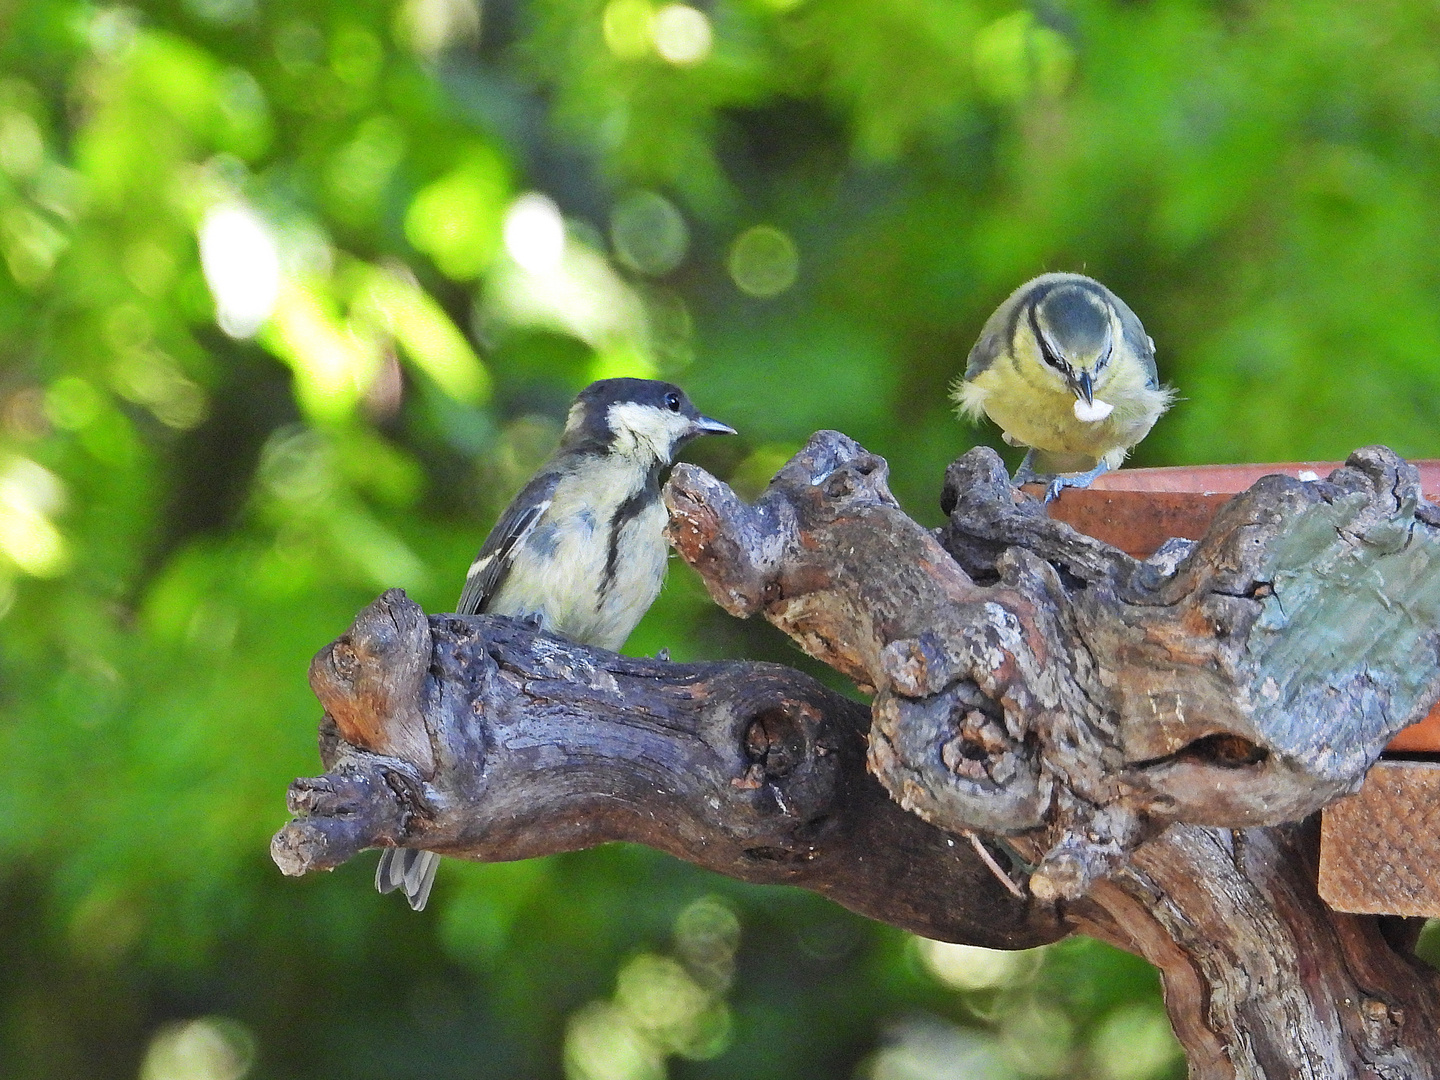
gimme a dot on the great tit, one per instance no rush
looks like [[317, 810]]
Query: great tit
[[1065, 368], [580, 552]]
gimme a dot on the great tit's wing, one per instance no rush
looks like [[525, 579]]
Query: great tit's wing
[[497, 555]]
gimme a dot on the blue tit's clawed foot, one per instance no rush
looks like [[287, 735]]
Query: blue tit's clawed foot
[[663, 655], [1026, 474], [1074, 480]]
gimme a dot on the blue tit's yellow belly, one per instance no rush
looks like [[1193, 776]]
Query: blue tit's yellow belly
[[1032, 413]]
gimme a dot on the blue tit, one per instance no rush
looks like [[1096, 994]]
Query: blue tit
[[581, 550], [1065, 368]]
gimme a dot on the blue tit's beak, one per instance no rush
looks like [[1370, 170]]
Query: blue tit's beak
[[1083, 386], [703, 425]]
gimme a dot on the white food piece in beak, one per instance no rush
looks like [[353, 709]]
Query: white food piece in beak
[[1093, 412]]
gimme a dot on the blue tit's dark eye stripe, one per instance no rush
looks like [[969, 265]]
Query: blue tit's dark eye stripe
[[1046, 353], [1104, 360]]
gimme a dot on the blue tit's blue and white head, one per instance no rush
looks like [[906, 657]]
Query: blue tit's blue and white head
[[641, 419], [1073, 329], [1067, 370]]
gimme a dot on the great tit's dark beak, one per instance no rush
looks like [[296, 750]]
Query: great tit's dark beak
[[703, 425], [1083, 386]]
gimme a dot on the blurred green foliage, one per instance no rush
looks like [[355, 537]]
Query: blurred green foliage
[[293, 298]]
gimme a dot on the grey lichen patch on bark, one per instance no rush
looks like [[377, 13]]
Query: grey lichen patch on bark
[[1348, 638]]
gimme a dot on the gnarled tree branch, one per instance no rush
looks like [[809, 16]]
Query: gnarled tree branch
[[1041, 683], [1144, 731], [537, 745]]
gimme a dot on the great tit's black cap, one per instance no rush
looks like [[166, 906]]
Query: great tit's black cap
[[599, 396]]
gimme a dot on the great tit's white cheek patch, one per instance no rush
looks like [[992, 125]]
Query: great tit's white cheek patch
[[637, 425], [1092, 412]]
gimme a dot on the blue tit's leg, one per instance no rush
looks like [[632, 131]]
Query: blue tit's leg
[[1026, 473], [1076, 480]]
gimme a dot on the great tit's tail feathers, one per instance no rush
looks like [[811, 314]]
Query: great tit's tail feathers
[[406, 868]]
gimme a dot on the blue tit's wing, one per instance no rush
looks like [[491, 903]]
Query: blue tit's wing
[[487, 573], [982, 354], [1137, 341], [999, 329]]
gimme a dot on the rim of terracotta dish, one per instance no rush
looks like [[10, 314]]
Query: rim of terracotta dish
[[1232, 479]]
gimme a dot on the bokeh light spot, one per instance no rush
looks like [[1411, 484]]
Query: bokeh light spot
[[150, 267], [113, 31], [1134, 1043], [969, 967], [105, 924], [299, 45], [602, 1044], [707, 933], [430, 27], [223, 12], [242, 267], [22, 147], [211, 1048], [334, 365], [29, 493], [928, 1048], [359, 170], [22, 414], [356, 56], [1037, 1038], [682, 34], [456, 220], [648, 232], [394, 301], [534, 232], [242, 103], [763, 261], [657, 993], [628, 26], [1017, 56], [151, 378], [31, 244]]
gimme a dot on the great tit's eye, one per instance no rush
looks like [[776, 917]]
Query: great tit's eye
[[672, 401]]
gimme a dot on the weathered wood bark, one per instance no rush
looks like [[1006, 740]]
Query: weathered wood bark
[[1031, 680], [1114, 719], [538, 745], [1261, 978]]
